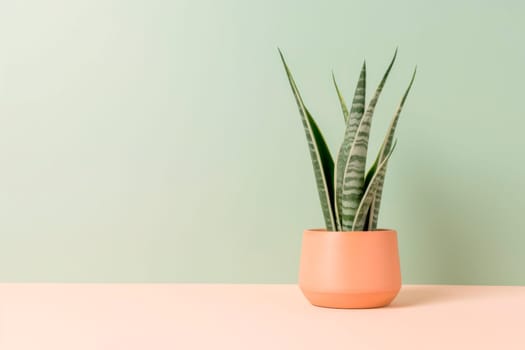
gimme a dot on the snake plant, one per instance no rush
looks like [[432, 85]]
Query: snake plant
[[350, 198]]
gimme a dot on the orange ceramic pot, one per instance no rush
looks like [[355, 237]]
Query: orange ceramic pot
[[350, 270]]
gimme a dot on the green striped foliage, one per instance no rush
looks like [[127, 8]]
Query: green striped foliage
[[369, 195], [321, 158], [354, 171], [350, 201], [383, 151], [352, 123]]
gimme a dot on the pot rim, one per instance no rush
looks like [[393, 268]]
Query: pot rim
[[354, 232]]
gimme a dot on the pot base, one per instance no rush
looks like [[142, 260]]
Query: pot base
[[350, 300]]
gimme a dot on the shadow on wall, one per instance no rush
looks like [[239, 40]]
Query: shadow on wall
[[457, 228]]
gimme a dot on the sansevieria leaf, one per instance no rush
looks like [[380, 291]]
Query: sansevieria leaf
[[352, 123], [341, 100], [321, 159], [354, 173], [383, 151], [376, 181]]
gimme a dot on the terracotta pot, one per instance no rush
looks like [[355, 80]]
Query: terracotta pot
[[350, 269]]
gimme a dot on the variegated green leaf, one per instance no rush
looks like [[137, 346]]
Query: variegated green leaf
[[355, 116], [368, 178], [371, 172], [321, 159], [385, 148], [354, 171], [341, 100], [377, 181]]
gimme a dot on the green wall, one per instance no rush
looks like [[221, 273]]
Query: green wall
[[159, 141]]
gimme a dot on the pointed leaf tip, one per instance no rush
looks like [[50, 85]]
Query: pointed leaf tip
[[344, 108], [280, 53], [394, 57], [413, 75]]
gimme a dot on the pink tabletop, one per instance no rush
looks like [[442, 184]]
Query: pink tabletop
[[176, 316]]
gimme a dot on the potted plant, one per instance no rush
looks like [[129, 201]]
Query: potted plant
[[350, 263]]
